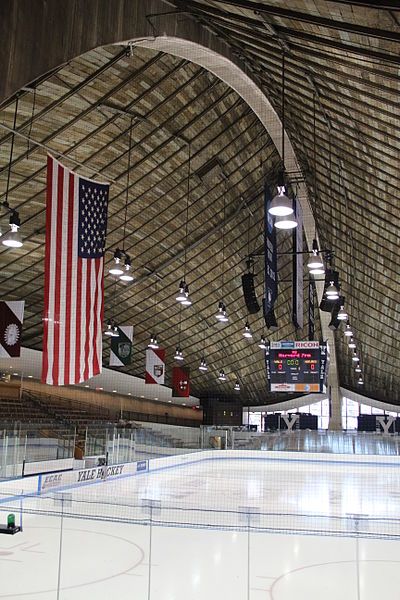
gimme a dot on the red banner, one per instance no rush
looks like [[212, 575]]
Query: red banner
[[180, 382]]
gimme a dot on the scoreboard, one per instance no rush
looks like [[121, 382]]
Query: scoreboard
[[294, 366]]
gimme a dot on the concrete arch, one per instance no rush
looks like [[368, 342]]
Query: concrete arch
[[82, 25]]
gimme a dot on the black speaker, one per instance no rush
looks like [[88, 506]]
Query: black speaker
[[334, 322], [250, 293], [269, 318]]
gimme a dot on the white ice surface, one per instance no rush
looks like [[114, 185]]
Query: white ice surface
[[102, 559]]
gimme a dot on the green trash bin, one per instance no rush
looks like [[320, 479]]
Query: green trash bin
[[11, 521]]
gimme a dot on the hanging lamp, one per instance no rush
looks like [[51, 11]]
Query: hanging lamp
[[12, 239], [203, 364], [332, 292], [348, 332], [222, 376], [281, 205], [153, 342], [358, 368], [222, 315], [355, 357], [315, 263], [360, 380], [247, 331], [117, 269], [183, 294], [237, 386], [263, 343], [286, 222], [178, 353], [352, 343], [127, 276], [342, 314]]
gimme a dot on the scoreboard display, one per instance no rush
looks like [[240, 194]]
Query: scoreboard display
[[297, 366]]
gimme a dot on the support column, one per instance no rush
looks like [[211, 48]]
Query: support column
[[335, 403]]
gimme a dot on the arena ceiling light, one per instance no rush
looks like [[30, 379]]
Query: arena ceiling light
[[342, 314], [203, 364], [281, 205], [222, 376], [285, 222], [357, 369], [178, 353], [332, 292], [237, 386], [247, 331], [183, 295], [13, 239], [315, 263], [360, 380], [153, 342], [263, 343], [348, 332], [355, 357], [127, 276], [117, 269], [352, 343]]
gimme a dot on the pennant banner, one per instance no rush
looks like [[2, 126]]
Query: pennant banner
[[76, 225], [180, 382], [155, 366], [298, 293], [270, 257], [311, 308], [121, 347], [11, 319]]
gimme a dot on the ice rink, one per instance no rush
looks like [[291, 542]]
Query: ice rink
[[242, 529]]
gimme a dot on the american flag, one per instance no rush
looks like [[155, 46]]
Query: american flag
[[76, 225]]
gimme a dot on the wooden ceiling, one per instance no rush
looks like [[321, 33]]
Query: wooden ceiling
[[345, 58]]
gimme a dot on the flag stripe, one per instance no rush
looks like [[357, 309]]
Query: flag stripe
[[76, 222], [49, 198]]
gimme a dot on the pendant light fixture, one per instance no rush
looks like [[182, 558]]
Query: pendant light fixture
[[116, 268], [153, 338], [357, 369], [222, 376], [348, 332], [127, 275], [355, 357], [332, 292], [237, 386], [352, 343], [203, 362], [263, 343], [178, 350], [153, 342], [112, 328], [247, 331], [315, 264], [342, 314], [183, 294], [12, 239], [287, 222], [360, 380], [222, 316], [281, 205]]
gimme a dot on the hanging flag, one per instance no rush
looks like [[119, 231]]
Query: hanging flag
[[298, 293], [11, 318], [76, 225], [270, 257], [180, 382], [121, 347], [311, 307], [155, 365]]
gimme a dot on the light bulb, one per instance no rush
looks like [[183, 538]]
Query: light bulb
[[285, 222]]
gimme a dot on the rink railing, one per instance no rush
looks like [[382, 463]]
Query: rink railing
[[55, 494]]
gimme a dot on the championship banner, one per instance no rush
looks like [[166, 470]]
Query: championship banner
[[311, 309], [155, 366], [180, 382], [270, 257], [121, 347], [11, 319], [298, 300]]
